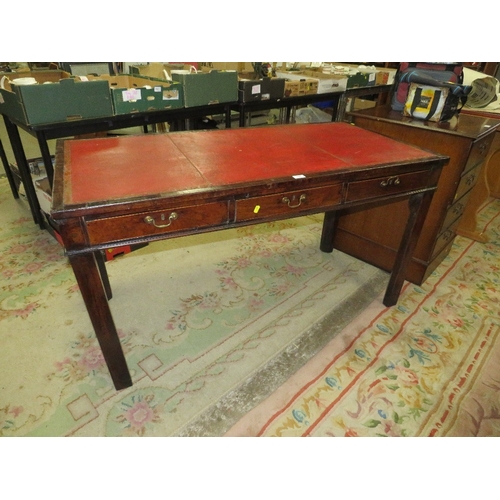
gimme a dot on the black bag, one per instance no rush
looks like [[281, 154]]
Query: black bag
[[435, 103], [441, 72]]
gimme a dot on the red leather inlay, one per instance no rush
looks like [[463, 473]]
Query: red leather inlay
[[133, 166], [128, 166]]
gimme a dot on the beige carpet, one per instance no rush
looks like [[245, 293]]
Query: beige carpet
[[429, 366], [210, 326]]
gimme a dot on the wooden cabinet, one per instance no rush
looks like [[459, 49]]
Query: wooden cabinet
[[373, 235]]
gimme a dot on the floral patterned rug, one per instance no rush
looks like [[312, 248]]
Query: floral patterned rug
[[428, 367], [196, 322]]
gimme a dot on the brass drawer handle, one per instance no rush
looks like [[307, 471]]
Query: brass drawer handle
[[471, 179], [150, 220], [390, 181], [447, 235], [288, 201]]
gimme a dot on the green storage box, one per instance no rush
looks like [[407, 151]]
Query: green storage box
[[57, 97], [355, 80], [135, 93], [212, 87]]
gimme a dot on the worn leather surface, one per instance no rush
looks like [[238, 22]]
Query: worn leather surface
[[131, 166]]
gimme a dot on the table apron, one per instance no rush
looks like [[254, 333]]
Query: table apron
[[218, 216]]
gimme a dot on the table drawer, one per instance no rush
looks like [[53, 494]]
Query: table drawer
[[156, 222], [479, 152], [288, 203], [387, 186]]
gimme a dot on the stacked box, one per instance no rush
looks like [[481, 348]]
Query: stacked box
[[374, 76], [57, 97], [240, 67], [252, 89], [296, 83], [385, 76], [199, 88], [204, 88], [354, 76], [135, 93], [304, 86], [157, 70], [328, 82], [355, 80], [359, 76]]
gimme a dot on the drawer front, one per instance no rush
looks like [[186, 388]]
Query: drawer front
[[479, 151], [156, 222], [467, 181], [288, 203], [375, 188], [445, 238], [456, 210], [439, 257]]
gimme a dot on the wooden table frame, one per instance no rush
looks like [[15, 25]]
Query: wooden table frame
[[89, 226]]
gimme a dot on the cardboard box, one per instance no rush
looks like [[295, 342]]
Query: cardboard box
[[44, 194], [293, 75], [136, 93], [355, 77], [358, 79], [327, 82], [360, 76], [251, 89], [37, 170], [240, 67], [305, 86], [296, 83], [157, 70], [385, 76], [199, 88], [358, 104], [57, 97], [204, 88]]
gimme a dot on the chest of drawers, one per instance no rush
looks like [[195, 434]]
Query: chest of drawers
[[373, 235]]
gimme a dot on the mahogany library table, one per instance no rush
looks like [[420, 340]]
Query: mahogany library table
[[127, 190]]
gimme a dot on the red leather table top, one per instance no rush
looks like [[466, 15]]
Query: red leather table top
[[131, 166]]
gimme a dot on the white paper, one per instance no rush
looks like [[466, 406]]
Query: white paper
[[131, 95]]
